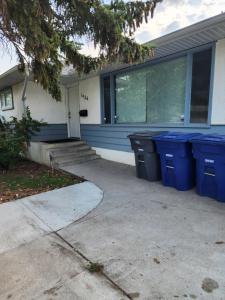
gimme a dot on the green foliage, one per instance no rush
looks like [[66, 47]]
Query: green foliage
[[47, 34], [15, 136], [26, 127], [93, 267], [11, 149]]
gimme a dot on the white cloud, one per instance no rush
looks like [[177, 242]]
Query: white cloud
[[89, 49], [170, 15], [8, 59]]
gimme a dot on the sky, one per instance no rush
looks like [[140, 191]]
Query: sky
[[169, 16]]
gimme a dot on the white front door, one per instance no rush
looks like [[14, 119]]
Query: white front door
[[73, 111]]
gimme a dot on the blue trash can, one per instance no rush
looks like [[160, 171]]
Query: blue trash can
[[177, 162], [209, 152]]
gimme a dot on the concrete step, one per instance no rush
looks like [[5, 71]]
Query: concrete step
[[78, 161], [64, 145], [71, 156], [69, 150]]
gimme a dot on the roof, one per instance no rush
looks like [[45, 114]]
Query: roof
[[201, 33], [198, 34], [14, 76], [11, 77], [193, 36]]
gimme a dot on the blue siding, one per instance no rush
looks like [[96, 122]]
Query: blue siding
[[51, 132], [115, 136]]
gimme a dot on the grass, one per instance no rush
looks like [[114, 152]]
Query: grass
[[95, 267], [43, 180], [29, 178]]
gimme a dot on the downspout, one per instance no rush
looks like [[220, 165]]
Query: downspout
[[23, 98], [67, 110]]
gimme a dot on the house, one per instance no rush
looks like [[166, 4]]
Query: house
[[181, 88]]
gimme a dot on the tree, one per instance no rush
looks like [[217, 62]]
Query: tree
[[46, 34]]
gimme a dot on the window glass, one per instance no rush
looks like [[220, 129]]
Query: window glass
[[166, 91], [131, 97], [157, 92], [2, 99], [201, 70], [6, 99], [107, 100]]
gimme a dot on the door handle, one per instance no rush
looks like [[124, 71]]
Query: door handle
[[182, 118]]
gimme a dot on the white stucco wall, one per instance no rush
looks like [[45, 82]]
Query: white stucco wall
[[90, 88], [117, 156], [43, 106], [218, 99]]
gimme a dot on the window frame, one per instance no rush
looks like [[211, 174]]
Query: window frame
[[189, 56], [4, 92]]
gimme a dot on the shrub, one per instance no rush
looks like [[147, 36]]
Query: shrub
[[15, 136], [11, 150]]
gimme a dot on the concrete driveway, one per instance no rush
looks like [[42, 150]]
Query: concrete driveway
[[35, 261], [155, 242]]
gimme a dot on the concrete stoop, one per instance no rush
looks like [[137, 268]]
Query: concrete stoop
[[60, 155], [74, 153]]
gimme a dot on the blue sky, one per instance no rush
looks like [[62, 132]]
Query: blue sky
[[170, 15]]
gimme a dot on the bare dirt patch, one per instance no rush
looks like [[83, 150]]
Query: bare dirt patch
[[29, 178]]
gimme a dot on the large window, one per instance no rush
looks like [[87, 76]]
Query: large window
[[131, 97], [170, 92], [6, 99], [166, 91]]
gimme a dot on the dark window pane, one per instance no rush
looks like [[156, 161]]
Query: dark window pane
[[201, 70], [107, 101]]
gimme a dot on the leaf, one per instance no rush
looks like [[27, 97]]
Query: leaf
[[47, 34]]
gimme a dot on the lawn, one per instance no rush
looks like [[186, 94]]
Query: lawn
[[29, 178]]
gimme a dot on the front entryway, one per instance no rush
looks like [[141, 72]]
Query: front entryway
[[73, 107]]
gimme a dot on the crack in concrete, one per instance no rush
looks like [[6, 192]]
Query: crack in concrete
[[115, 285]]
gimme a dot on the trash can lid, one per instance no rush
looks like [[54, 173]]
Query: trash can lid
[[209, 139], [145, 134], [176, 137]]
